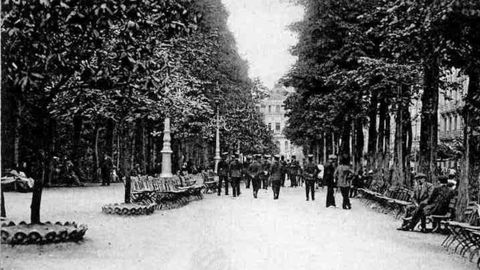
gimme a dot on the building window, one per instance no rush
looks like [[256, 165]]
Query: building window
[[277, 127], [269, 108], [444, 123], [450, 123], [277, 108], [286, 146], [269, 126]]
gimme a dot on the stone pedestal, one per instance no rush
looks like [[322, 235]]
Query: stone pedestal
[[217, 157], [166, 151]]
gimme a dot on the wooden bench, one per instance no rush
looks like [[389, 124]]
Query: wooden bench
[[438, 221], [393, 199], [465, 235], [165, 192], [210, 181]]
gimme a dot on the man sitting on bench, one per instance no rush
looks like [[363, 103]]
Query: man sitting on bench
[[421, 193], [437, 204]]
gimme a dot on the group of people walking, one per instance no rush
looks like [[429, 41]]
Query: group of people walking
[[260, 171]]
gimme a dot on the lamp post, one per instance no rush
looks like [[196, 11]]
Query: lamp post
[[217, 137], [166, 150]]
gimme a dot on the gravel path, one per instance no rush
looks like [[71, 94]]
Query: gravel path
[[225, 233]]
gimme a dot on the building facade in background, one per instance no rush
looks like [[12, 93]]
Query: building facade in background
[[273, 112]]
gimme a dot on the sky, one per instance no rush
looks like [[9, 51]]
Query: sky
[[260, 30]]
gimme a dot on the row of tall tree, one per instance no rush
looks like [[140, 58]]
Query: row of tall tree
[[83, 79], [360, 62]]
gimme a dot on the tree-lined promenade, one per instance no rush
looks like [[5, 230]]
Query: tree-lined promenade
[[85, 80], [360, 62]]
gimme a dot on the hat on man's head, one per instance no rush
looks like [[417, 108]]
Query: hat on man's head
[[276, 156], [332, 157], [310, 156], [420, 175]]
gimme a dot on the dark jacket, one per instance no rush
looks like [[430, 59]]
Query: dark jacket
[[310, 172], [438, 202], [235, 168], [223, 168], [255, 169], [276, 171], [294, 167], [328, 174], [422, 193]]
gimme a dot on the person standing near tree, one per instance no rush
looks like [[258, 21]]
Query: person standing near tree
[[276, 173], [254, 171], [343, 175], [235, 173], [107, 166], [310, 175], [246, 176], [266, 169], [284, 170], [223, 174], [328, 177]]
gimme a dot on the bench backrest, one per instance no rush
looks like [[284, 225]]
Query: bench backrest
[[148, 183], [471, 214]]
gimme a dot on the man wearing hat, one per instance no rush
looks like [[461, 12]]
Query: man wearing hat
[[223, 174], [328, 177], [436, 204], [246, 176], [254, 172], [235, 173], [284, 170], [276, 172], [266, 171], [293, 172], [421, 193], [310, 174]]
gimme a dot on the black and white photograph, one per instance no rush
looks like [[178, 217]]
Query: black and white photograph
[[240, 134]]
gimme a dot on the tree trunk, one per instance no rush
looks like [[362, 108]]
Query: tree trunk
[[469, 174], [429, 121], [3, 211], [359, 142], [126, 159], [38, 185], [372, 128], [17, 134], [77, 136], [399, 161], [97, 155], [383, 110], [345, 144], [109, 142]]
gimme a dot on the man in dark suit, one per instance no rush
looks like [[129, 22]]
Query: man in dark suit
[[310, 175], [223, 174], [328, 177], [276, 173], [254, 171], [293, 172], [266, 171], [246, 176], [284, 170], [436, 204], [421, 193], [235, 173]]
